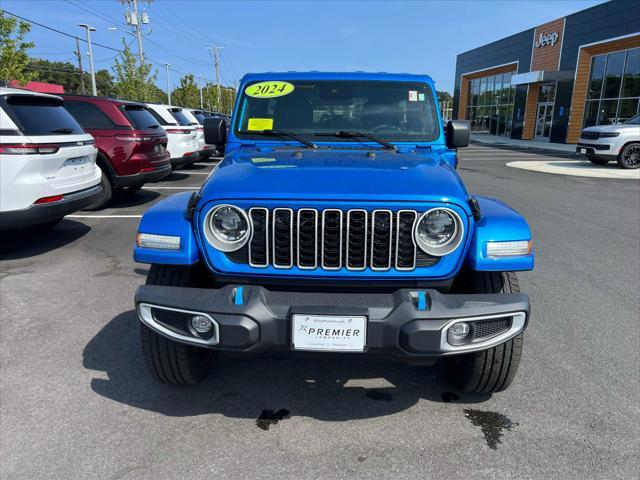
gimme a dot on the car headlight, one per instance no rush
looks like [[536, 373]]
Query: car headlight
[[227, 228], [439, 231]]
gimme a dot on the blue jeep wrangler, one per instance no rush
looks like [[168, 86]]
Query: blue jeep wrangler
[[336, 223]]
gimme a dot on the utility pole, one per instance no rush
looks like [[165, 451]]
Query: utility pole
[[201, 99], [216, 65], [166, 65], [90, 29], [79, 55], [135, 20]]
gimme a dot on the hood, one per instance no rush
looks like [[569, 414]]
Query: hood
[[334, 174], [611, 128]]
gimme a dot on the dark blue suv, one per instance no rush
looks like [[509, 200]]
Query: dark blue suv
[[336, 223]]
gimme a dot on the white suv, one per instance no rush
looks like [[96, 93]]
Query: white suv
[[205, 150], [620, 142], [182, 141], [47, 162]]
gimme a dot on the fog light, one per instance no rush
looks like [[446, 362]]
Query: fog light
[[201, 324], [458, 333]]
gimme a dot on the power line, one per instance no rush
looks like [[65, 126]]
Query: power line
[[61, 32]]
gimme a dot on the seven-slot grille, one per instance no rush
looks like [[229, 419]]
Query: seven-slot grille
[[332, 239]]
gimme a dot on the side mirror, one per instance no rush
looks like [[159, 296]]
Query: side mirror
[[215, 131], [457, 133]]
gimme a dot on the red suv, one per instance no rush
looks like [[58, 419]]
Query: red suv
[[132, 147]]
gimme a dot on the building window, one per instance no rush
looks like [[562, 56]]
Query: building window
[[490, 104], [613, 95]]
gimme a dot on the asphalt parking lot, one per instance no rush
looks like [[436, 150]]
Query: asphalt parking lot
[[77, 402]]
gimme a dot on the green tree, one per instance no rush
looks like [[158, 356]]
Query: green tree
[[68, 75], [14, 58], [210, 95], [187, 94], [445, 97], [134, 81]]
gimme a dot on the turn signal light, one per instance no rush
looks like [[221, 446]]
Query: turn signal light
[[509, 249], [161, 242]]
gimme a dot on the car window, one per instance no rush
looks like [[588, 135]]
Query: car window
[[140, 117], [199, 116], [159, 118], [180, 117], [88, 115], [41, 116], [634, 120]]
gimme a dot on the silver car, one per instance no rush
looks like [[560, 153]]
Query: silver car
[[605, 143]]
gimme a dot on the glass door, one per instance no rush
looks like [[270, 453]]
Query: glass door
[[543, 122]]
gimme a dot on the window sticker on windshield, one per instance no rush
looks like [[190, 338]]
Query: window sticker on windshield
[[269, 89], [421, 97], [413, 95], [259, 124]]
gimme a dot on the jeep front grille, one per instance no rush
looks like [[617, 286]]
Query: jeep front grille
[[332, 239]]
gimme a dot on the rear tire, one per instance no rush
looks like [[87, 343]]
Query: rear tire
[[629, 157], [169, 361], [491, 370], [598, 160], [107, 193]]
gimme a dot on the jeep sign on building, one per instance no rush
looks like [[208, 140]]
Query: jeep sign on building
[[549, 82]]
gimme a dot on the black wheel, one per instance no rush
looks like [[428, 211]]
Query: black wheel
[[629, 157], [168, 361], [107, 193], [494, 369], [598, 160]]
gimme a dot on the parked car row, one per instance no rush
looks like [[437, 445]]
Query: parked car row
[[60, 154]]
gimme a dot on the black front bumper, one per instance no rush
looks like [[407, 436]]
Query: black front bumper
[[406, 323], [142, 177], [39, 214]]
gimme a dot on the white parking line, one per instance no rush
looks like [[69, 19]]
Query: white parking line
[[195, 173], [103, 216]]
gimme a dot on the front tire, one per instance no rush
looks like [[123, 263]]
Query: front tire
[[169, 361], [491, 370], [629, 157]]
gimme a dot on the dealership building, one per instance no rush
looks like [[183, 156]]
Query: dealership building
[[549, 82]]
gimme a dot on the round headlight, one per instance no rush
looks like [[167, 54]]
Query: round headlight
[[227, 228], [439, 231]]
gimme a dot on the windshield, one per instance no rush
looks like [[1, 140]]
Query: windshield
[[633, 120], [393, 111]]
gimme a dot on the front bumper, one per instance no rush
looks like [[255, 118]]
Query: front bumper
[[39, 214], [406, 323], [600, 150]]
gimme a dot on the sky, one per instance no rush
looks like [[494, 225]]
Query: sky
[[393, 36]]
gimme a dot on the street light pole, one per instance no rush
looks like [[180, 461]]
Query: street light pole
[[166, 65], [90, 29]]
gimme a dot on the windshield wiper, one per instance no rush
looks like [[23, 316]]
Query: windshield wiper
[[280, 133], [345, 134], [62, 130], [154, 126]]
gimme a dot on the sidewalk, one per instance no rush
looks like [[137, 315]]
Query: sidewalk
[[511, 142]]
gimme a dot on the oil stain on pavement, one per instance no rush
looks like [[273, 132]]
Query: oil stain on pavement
[[269, 417], [491, 423]]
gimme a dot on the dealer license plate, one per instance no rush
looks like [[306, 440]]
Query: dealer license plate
[[329, 333]]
